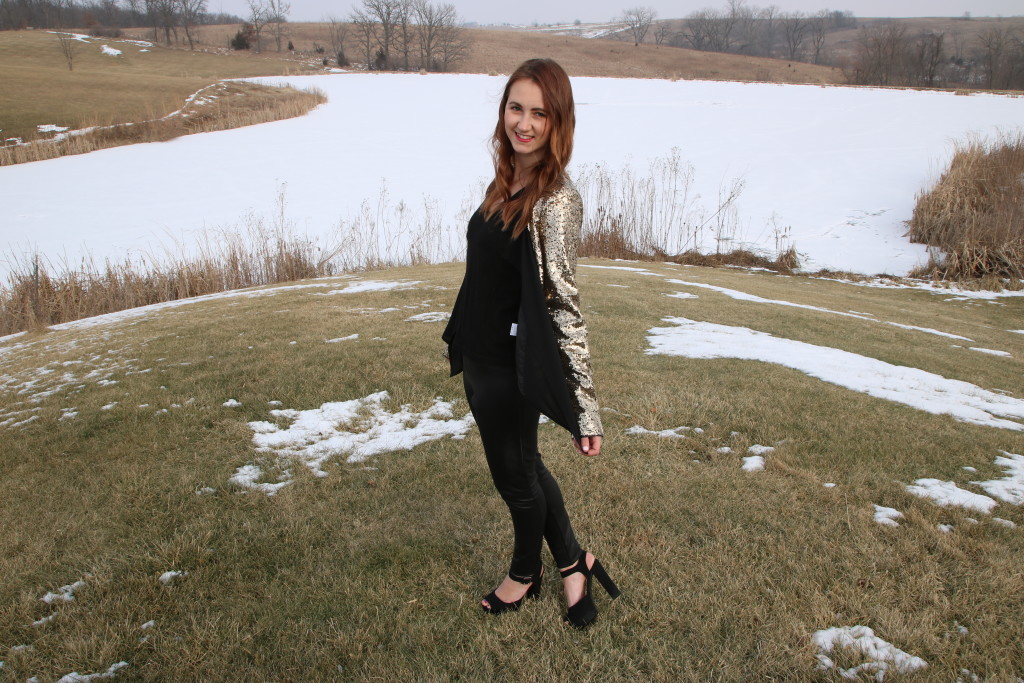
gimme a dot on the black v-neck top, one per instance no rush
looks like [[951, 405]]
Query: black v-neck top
[[490, 292]]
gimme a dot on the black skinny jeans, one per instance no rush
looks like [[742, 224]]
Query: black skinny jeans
[[508, 429]]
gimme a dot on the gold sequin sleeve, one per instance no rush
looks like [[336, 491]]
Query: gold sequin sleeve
[[555, 233]]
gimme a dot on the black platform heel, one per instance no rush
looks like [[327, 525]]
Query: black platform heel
[[497, 605], [583, 613]]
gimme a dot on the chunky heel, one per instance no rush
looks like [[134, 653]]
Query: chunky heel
[[606, 581], [584, 612]]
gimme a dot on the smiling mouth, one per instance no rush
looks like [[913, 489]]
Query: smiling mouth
[[524, 138]]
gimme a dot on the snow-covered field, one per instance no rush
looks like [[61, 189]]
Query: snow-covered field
[[832, 170]]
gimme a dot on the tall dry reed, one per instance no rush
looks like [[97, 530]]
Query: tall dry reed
[[974, 215], [39, 293]]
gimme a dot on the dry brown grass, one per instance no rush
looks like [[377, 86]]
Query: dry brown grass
[[221, 106], [975, 213], [500, 51], [373, 572]]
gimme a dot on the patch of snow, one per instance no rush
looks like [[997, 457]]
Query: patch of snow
[[947, 493], [232, 403], [929, 331], [169, 577], [50, 128], [372, 286], [1009, 489], [113, 52], [86, 678], [743, 296], [1004, 522], [946, 528], [63, 594], [341, 339], [431, 317], [991, 352], [148, 625], [758, 449], [887, 516], [673, 433], [630, 269], [910, 386], [753, 463], [45, 620], [881, 656], [829, 485], [354, 429]]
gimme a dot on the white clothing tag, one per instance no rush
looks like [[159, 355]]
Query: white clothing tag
[[515, 329]]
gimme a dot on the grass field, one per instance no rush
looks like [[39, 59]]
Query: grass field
[[144, 82], [120, 455]]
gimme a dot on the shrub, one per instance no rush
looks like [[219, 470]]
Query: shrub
[[975, 213], [242, 39]]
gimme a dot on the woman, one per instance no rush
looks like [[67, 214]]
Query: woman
[[517, 334]]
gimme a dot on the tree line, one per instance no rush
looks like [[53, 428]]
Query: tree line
[[743, 29], [886, 53], [889, 54], [110, 15], [403, 35]]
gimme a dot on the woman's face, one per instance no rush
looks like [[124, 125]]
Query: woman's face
[[526, 122]]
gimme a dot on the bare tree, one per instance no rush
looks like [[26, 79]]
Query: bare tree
[[881, 55], [794, 33], [927, 56], [818, 30], [259, 15], [68, 48], [336, 39], [662, 32], [387, 14], [746, 23], [191, 12], [1002, 57], [56, 16], [428, 32], [366, 34], [404, 32], [166, 14], [767, 31], [639, 19], [453, 42], [277, 20], [710, 30]]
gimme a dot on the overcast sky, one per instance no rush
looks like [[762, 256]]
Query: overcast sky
[[526, 12]]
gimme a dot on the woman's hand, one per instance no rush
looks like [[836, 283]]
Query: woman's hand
[[588, 445]]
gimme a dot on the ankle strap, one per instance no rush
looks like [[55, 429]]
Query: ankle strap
[[526, 581]]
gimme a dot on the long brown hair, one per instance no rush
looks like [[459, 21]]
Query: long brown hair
[[561, 115]]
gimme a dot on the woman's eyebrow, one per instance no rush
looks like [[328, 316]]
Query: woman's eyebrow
[[520, 105]]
